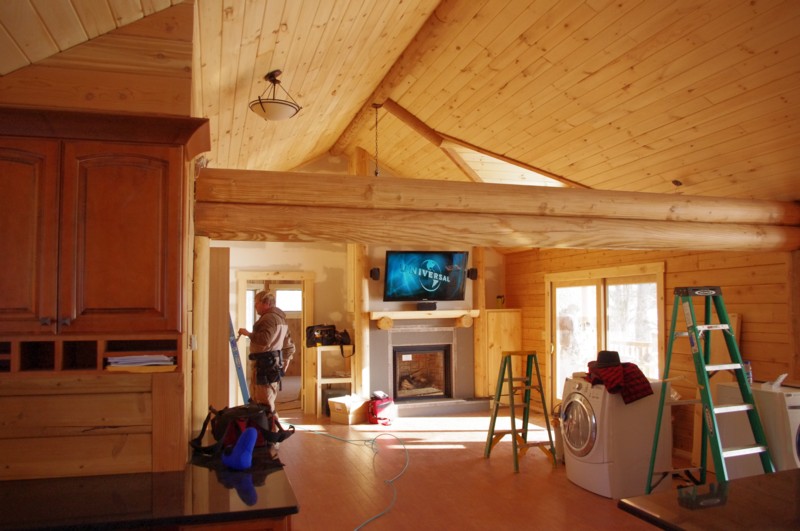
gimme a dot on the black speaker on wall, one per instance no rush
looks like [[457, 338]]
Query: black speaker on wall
[[472, 273], [375, 273]]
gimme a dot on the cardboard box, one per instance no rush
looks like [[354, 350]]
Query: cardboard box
[[349, 409]]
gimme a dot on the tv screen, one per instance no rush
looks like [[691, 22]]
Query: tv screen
[[425, 275]]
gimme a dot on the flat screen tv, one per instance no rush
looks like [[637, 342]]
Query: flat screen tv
[[425, 275]]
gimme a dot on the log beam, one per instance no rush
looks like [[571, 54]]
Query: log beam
[[349, 192], [272, 222]]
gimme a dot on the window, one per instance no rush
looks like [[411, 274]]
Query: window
[[289, 300], [617, 309]]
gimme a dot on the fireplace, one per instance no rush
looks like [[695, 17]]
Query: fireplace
[[422, 372]]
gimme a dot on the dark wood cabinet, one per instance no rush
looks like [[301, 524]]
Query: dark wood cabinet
[[91, 236], [29, 207], [120, 238], [94, 247]]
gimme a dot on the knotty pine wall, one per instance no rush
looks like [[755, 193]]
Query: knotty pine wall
[[761, 287]]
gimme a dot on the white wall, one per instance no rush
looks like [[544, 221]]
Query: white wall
[[328, 261]]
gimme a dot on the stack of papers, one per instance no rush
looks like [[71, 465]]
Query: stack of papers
[[139, 361]]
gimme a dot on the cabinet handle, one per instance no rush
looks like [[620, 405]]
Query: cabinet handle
[[66, 321], [45, 321]]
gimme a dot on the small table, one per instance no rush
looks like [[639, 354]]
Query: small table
[[175, 500], [767, 501]]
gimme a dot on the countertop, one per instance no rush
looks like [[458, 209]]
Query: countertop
[[196, 495]]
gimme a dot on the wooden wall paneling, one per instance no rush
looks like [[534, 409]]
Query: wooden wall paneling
[[43, 457], [144, 70], [767, 326], [75, 425], [27, 29]]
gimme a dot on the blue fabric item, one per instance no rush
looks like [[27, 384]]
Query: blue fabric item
[[241, 456]]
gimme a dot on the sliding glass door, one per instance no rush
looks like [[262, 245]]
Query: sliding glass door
[[608, 309], [577, 329]]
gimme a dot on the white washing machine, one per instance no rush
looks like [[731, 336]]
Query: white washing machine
[[607, 443], [779, 411]]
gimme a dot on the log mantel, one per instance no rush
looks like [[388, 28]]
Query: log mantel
[[296, 207]]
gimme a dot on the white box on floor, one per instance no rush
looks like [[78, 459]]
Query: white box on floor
[[349, 409]]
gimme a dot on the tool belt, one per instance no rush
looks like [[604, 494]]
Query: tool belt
[[269, 366]]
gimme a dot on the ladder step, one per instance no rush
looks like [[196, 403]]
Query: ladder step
[[737, 451], [722, 326], [732, 408], [723, 367]]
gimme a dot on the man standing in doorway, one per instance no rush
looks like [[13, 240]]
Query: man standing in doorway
[[271, 347]]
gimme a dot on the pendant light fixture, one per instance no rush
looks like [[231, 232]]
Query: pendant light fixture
[[271, 107]]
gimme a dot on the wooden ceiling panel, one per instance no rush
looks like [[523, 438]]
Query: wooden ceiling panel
[[628, 95]]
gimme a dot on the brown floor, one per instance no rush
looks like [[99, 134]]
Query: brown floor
[[430, 473]]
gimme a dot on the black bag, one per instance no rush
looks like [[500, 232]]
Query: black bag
[[320, 335], [229, 423], [326, 335]]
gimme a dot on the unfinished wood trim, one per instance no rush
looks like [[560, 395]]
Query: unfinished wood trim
[[319, 190], [200, 312], [170, 441], [219, 363], [794, 308]]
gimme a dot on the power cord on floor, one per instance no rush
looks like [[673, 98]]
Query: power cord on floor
[[373, 445]]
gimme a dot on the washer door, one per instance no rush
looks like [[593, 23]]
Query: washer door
[[578, 424]]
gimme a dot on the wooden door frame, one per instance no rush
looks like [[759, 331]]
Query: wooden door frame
[[306, 278]]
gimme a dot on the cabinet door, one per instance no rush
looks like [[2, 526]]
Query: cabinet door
[[121, 234], [28, 235], [504, 333]]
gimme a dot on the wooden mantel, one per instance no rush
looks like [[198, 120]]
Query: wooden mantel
[[299, 207]]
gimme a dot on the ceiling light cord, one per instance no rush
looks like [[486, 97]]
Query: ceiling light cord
[[376, 106]]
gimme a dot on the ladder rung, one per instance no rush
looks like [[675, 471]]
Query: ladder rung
[[722, 326], [737, 451], [532, 387], [732, 408], [723, 367]]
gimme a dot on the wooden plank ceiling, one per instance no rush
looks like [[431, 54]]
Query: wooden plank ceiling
[[682, 97]]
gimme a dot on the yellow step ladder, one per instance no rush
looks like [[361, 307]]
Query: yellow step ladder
[[519, 437]]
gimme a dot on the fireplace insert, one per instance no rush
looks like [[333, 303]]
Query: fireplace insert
[[422, 372]]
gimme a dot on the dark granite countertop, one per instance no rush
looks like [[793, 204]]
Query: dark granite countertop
[[197, 495]]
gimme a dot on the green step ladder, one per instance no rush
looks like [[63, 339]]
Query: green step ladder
[[519, 437], [699, 336]]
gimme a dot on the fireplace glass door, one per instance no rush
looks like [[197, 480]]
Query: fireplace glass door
[[422, 372]]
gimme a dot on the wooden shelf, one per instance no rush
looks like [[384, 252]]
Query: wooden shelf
[[386, 320], [424, 314]]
